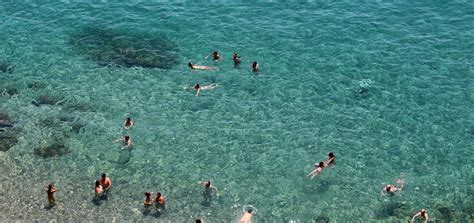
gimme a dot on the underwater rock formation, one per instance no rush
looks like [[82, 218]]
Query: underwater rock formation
[[47, 100], [446, 214], [53, 150], [392, 209], [36, 85], [113, 47], [7, 68], [321, 219], [8, 135]]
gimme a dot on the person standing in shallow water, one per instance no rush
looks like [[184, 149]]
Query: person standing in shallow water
[[50, 190], [160, 201], [421, 214], [255, 67], [148, 201], [105, 182], [236, 59]]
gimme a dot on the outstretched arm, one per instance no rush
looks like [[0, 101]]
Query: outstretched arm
[[197, 92]]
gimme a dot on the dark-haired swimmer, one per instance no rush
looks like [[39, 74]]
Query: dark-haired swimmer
[[50, 190], [98, 189], [215, 56], [331, 159], [236, 59], [246, 217], [128, 123], [421, 214], [160, 201], [198, 88], [197, 67], [318, 168], [208, 187], [391, 189], [255, 67], [105, 182], [148, 201], [127, 141]]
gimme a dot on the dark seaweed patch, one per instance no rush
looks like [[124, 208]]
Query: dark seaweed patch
[[113, 47], [53, 150], [7, 68]]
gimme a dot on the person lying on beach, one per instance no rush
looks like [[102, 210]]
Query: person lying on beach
[[197, 67], [246, 217], [255, 67], [105, 182], [98, 189], [208, 187], [148, 202], [50, 190], [215, 56], [391, 189], [198, 88], [331, 159], [421, 214], [127, 141], [318, 168], [128, 123]]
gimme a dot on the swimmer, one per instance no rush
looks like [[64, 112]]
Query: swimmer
[[247, 217], [127, 141], [160, 201], [255, 67], [105, 182], [198, 88], [128, 123], [98, 189], [198, 221], [50, 190], [331, 159], [148, 202], [236, 59], [318, 168], [391, 189], [421, 214], [215, 56], [197, 67], [208, 187]]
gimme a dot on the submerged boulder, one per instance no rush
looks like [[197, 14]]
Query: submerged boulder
[[47, 100], [54, 150], [7, 68], [112, 47], [7, 140]]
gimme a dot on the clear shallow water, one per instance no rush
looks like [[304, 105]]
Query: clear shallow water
[[255, 137]]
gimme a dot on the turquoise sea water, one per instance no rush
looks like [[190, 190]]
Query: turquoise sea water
[[388, 87]]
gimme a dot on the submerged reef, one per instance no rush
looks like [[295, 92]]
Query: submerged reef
[[53, 150], [47, 100], [8, 134], [6, 68], [113, 47], [392, 209]]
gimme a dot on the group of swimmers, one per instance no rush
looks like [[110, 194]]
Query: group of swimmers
[[103, 185], [217, 57]]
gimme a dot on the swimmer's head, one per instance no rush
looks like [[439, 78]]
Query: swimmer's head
[[215, 53], [423, 211], [254, 64], [158, 194], [196, 86], [148, 194], [128, 119], [104, 175], [198, 221], [249, 211], [331, 155], [190, 65], [50, 187], [126, 138], [321, 164], [207, 183], [97, 183], [388, 187]]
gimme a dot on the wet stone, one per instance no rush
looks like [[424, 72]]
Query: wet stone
[[112, 47], [54, 150]]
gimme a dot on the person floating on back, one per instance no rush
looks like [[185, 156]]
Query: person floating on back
[[318, 168], [160, 201], [198, 88], [246, 217], [198, 67], [255, 67], [128, 123], [127, 141], [421, 214], [392, 189], [148, 201], [50, 190]]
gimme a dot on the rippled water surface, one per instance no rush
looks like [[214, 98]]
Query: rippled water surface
[[388, 87]]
